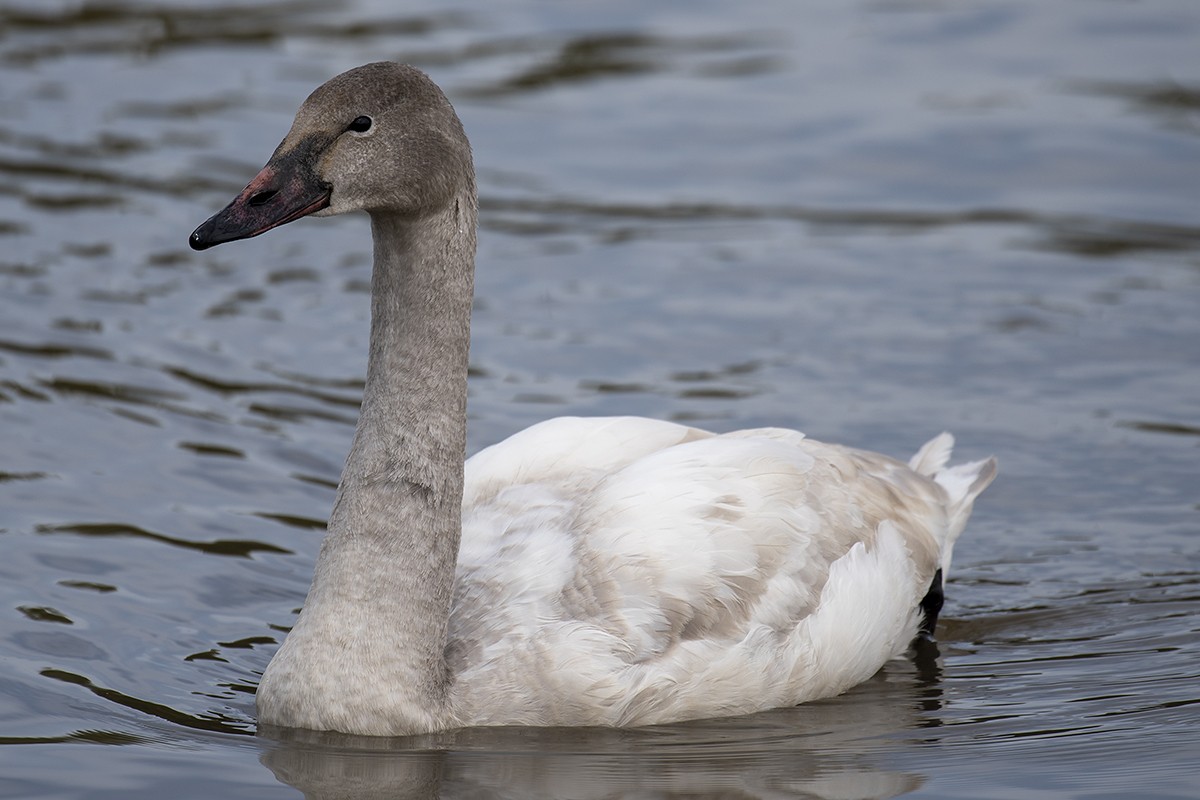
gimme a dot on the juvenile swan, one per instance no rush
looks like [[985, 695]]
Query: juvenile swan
[[614, 571]]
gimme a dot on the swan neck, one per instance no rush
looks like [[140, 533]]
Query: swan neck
[[383, 582]]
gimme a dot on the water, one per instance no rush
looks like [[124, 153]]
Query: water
[[867, 220]]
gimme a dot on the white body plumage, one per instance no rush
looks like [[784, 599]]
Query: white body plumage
[[626, 571]]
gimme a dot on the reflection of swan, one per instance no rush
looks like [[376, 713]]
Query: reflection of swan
[[867, 744], [637, 770], [612, 571]]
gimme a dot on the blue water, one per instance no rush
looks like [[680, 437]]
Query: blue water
[[868, 220]]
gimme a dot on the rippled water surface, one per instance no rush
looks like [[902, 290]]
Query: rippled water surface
[[866, 220]]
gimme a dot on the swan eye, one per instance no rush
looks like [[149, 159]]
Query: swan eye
[[360, 124]]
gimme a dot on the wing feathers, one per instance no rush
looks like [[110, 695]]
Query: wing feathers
[[625, 571]]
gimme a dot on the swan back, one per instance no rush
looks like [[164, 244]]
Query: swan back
[[624, 571]]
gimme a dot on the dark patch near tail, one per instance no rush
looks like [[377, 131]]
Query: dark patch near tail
[[931, 604]]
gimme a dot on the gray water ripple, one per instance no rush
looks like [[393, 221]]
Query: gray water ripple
[[866, 220], [220, 547]]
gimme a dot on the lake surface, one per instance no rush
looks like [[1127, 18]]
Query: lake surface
[[866, 220]]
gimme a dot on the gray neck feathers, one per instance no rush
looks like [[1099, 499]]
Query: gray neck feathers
[[388, 560]]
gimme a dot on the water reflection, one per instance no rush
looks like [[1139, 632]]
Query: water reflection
[[218, 723], [221, 547], [822, 750], [1176, 104], [559, 61], [1081, 235], [117, 28]]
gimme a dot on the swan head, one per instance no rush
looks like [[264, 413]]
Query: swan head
[[380, 138]]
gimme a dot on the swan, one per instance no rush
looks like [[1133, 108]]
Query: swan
[[607, 572]]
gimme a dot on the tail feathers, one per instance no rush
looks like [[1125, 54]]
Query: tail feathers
[[933, 455], [963, 483]]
